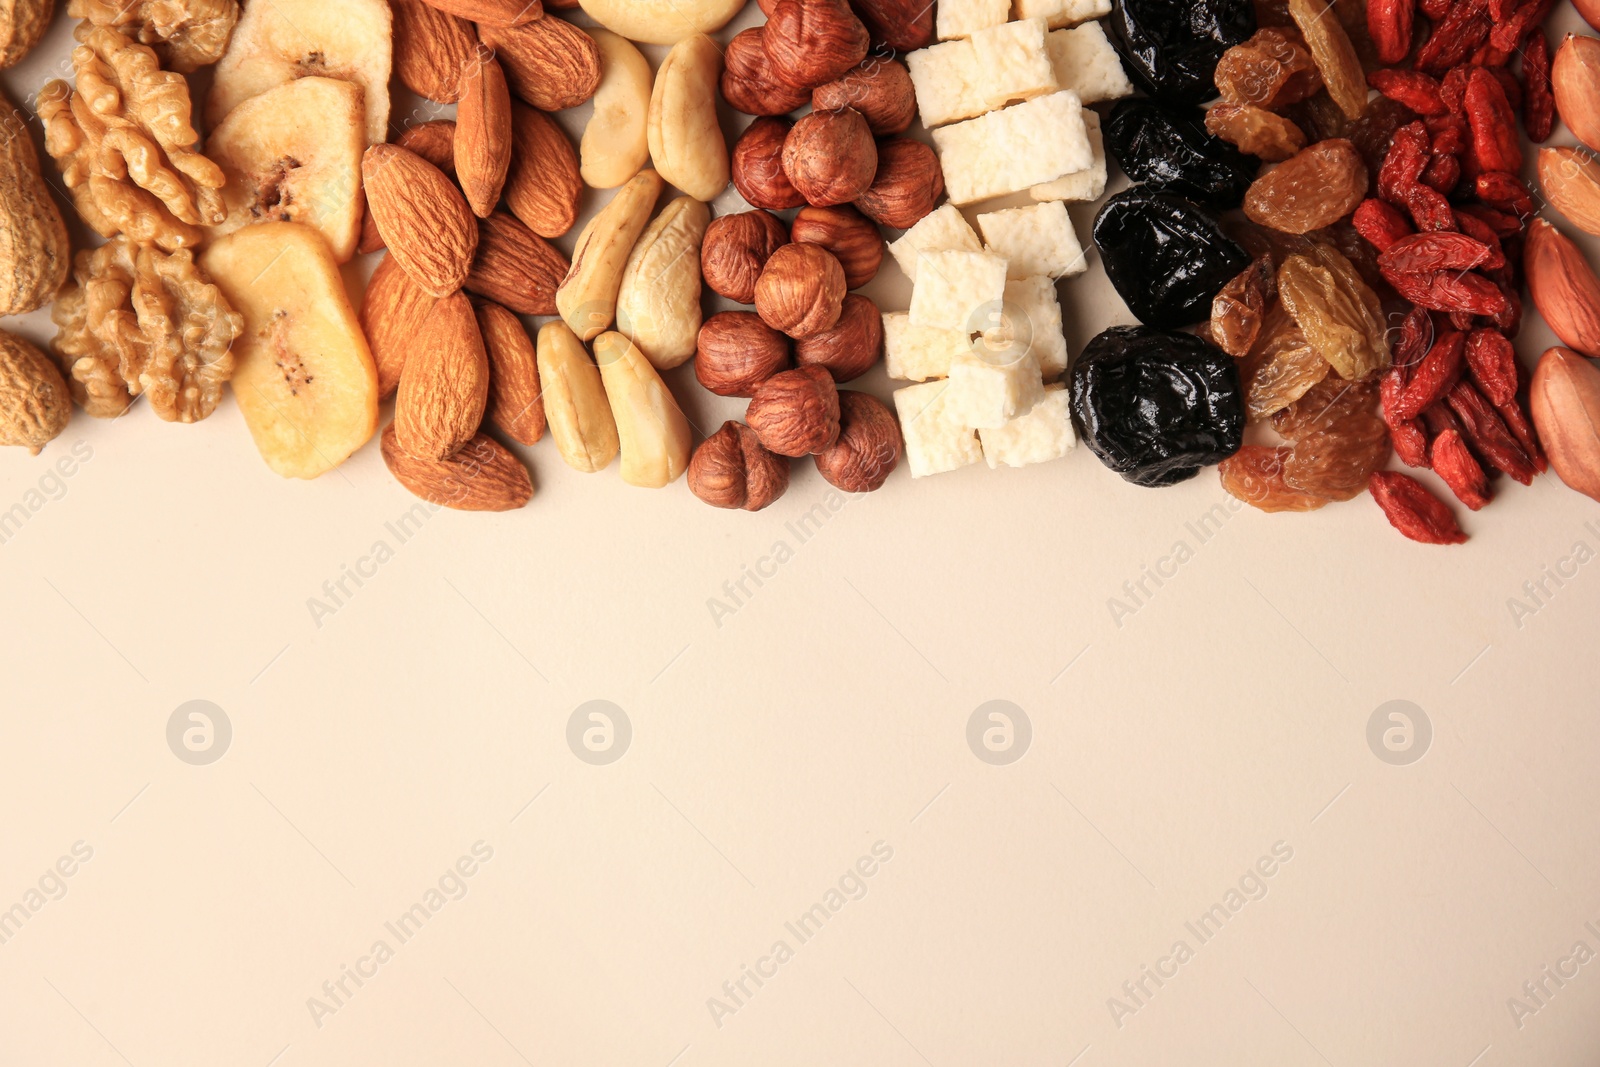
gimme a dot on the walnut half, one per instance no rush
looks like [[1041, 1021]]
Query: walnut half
[[136, 320], [186, 34]]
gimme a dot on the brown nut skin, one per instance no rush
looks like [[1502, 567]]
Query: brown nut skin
[[855, 240], [831, 158], [813, 42], [902, 25], [879, 88], [907, 185], [867, 449], [758, 166], [737, 352], [735, 251], [801, 290], [796, 413], [749, 82], [732, 469], [852, 347]]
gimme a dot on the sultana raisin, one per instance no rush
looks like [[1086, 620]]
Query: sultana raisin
[[1254, 474], [1337, 439], [1340, 314], [1280, 369], [1271, 70], [1325, 405], [1255, 131], [1414, 511], [1335, 56], [1316, 188], [1238, 310]]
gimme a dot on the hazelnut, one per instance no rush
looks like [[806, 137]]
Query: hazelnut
[[907, 186], [758, 166], [801, 290], [749, 83], [735, 250], [852, 347], [867, 449], [737, 352], [796, 413], [901, 25], [879, 88], [854, 240], [731, 469], [813, 42], [830, 157]]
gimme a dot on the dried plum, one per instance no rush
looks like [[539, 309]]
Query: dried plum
[[1170, 148], [1171, 47], [1156, 406], [1166, 255]]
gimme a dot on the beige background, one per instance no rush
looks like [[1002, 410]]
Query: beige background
[[1171, 749]]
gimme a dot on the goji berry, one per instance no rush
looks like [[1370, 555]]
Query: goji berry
[[1505, 192], [1449, 133], [1486, 430], [1436, 9], [1449, 290], [1480, 231], [1389, 24], [1538, 103], [1409, 153], [1513, 88], [1410, 443], [1414, 89], [1506, 34], [1439, 418], [1490, 57], [1380, 223], [1493, 364], [1464, 321], [1516, 421], [1414, 511], [1443, 174], [1416, 337], [1433, 378], [1500, 10], [1452, 461], [1453, 88], [1493, 122], [1503, 224], [1433, 251], [1429, 209], [1455, 37]]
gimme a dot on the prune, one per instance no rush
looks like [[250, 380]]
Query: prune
[[1270, 70], [1316, 188], [1171, 47], [1156, 406], [1169, 148], [1255, 131], [1166, 255]]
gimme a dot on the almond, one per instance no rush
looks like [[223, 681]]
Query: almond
[[483, 134], [493, 12], [444, 387], [392, 313], [550, 63], [431, 49], [422, 217], [516, 402], [1571, 181], [1564, 399], [516, 267], [1575, 82], [1564, 287], [483, 476], [434, 141], [544, 186]]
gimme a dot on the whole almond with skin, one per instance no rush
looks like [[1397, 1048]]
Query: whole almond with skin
[[1563, 286], [422, 216], [1571, 182], [1564, 400], [434, 141], [544, 186], [549, 62], [1575, 82], [516, 402], [516, 267], [483, 134], [496, 13], [431, 49], [483, 476], [392, 313], [444, 387]]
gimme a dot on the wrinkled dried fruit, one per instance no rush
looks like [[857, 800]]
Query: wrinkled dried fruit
[[1488, 434], [1493, 363], [1389, 23], [1166, 256], [1271, 70], [1169, 148], [1254, 475], [1340, 314], [1538, 99], [1495, 141], [1255, 131], [1414, 511], [1171, 47], [1380, 223], [1434, 377], [1335, 56], [1414, 89], [1280, 369], [1316, 188], [1452, 461], [1240, 308], [1335, 462], [1433, 251], [1450, 290]]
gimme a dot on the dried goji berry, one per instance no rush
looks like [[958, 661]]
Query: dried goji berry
[[1500, 10], [1381, 224], [1433, 378], [1414, 89], [1452, 461], [1505, 192], [1538, 104], [1451, 291], [1480, 231], [1455, 37], [1410, 443], [1482, 425], [1503, 224], [1416, 337], [1489, 56], [1414, 511], [1429, 209], [1439, 418], [1389, 24], [1508, 82], [1453, 88], [1493, 122], [1431, 252], [1443, 174], [1516, 421], [1436, 9], [1506, 34], [1402, 168], [1493, 363]]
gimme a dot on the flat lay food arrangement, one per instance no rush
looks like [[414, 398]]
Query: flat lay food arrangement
[[1339, 215]]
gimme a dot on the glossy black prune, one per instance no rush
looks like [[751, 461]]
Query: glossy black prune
[[1171, 47], [1157, 406], [1166, 255], [1169, 148]]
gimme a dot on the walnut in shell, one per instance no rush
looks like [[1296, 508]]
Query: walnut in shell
[[125, 143], [186, 34], [136, 320]]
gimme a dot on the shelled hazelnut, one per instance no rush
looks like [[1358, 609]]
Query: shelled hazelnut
[[758, 166], [852, 347], [732, 469], [906, 186], [855, 240], [737, 352], [867, 449], [801, 290], [879, 88], [831, 158], [813, 42], [735, 251], [901, 25], [796, 413], [749, 81]]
